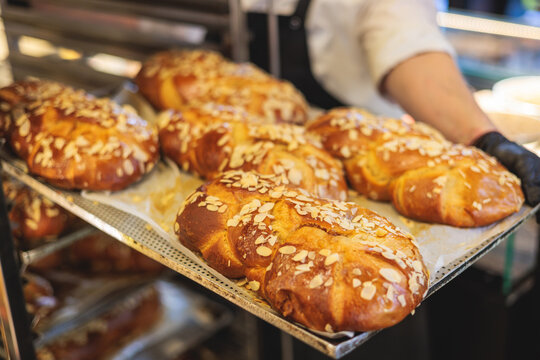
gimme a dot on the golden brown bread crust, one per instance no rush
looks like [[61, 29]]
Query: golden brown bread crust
[[39, 297], [102, 336], [175, 79], [100, 253], [328, 265], [426, 177], [75, 140], [35, 219], [212, 139]]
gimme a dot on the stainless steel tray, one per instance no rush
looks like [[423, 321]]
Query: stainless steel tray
[[132, 231]]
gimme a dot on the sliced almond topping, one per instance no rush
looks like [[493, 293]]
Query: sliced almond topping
[[356, 283], [31, 224], [272, 239], [287, 250], [316, 282], [264, 251], [260, 217], [368, 291], [52, 212], [295, 176], [417, 266], [390, 274], [381, 232], [357, 272], [330, 259], [301, 255], [390, 293], [401, 299], [346, 152], [328, 282], [260, 240], [266, 207], [254, 285]]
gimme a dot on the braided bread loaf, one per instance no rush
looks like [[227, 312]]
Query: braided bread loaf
[[425, 176], [328, 265], [175, 79], [212, 139], [39, 297], [74, 140], [101, 254], [35, 219], [101, 337]]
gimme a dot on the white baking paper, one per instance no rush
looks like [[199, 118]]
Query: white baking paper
[[158, 197]]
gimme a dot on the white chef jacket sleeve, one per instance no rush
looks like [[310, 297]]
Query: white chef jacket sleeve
[[392, 31], [353, 44]]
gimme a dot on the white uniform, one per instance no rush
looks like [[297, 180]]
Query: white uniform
[[353, 44]]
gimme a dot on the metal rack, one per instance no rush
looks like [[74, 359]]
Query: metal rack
[[132, 231]]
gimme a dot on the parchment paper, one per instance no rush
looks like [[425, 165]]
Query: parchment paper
[[158, 197]]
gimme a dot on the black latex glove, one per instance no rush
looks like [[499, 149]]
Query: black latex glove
[[518, 160]]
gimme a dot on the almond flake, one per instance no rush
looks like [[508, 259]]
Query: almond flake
[[356, 283], [287, 250], [264, 251], [260, 217], [254, 285], [368, 291], [266, 207], [316, 282], [330, 259], [301, 256], [381, 232], [390, 274], [260, 240]]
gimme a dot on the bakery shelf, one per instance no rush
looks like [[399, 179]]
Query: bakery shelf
[[30, 256], [187, 318], [132, 231]]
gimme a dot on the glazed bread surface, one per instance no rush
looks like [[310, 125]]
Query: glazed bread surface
[[212, 139], [328, 265], [175, 79], [425, 176], [74, 140], [35, 219]]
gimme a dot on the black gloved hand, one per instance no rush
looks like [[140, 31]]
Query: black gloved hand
[[518, 160]]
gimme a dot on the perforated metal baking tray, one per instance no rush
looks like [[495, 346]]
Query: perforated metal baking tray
[[132, 231]]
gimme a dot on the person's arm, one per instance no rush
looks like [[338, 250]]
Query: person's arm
[[431, 89]]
